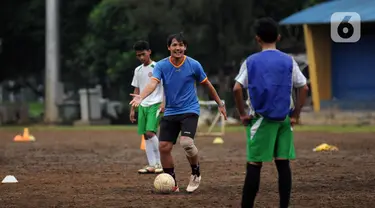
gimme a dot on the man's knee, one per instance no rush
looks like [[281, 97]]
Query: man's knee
[[188, 144], [165, 147]]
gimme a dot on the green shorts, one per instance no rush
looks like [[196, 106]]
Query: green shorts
[[268, 139], [147, 118]]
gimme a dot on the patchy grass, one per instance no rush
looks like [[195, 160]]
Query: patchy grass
[[326, 128], [302, 128]]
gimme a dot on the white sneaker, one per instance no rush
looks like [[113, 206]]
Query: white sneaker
[[158, 168], [147, 169], [194, 183]]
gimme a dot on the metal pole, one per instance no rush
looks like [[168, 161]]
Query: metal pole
[[52, 61]]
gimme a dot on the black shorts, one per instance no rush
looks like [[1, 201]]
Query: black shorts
[[171, 126]]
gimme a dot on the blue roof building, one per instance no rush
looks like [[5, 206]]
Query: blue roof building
[[341, 57]]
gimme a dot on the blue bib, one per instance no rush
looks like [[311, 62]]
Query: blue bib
[[270, 83]]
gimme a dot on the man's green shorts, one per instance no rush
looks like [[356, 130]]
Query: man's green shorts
[[148, 120], [268, 139]]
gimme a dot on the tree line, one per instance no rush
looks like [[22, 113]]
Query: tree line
[[97, 36]]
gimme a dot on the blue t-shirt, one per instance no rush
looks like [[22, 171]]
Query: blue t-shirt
[[179, 84], [270, 83]]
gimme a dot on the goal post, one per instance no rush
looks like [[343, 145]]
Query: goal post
[[209, 118]]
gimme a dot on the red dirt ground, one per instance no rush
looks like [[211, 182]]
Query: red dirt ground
[[99, 169]]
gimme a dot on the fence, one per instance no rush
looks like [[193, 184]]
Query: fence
[[341, 113]]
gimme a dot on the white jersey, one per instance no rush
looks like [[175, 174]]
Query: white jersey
[[142, 76], [298, 80]]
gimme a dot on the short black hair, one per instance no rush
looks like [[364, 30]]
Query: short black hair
[[178, 36], [141, 45], [267, 29]]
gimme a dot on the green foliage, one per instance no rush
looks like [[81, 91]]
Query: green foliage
[[22, 34], [309, 3], [97, 35], [114, 26], [219, 34]]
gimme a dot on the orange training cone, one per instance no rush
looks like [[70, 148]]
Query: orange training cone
[[25, 136], [18, 138], [143, 143]]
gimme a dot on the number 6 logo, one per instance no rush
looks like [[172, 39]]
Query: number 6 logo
[[345, 27]]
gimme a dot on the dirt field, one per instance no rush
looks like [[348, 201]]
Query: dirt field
[[98, 169]]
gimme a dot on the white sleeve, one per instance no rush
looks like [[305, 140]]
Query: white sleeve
[[242, 75], [135, 79], [299, 80]]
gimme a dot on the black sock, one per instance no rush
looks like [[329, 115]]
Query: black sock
[[195, 170], [170, 171], [285, 182], [251, 186]]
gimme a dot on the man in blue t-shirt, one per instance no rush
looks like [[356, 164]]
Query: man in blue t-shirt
[[179, 73], [269, 77]]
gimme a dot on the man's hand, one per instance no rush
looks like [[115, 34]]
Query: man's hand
[[293, 121], [162, 107], [245, 119], [132, 115], [137, 100], [223, 111]]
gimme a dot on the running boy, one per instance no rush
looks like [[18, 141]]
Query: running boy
[[179, 74], [269, 77], [150, 108]]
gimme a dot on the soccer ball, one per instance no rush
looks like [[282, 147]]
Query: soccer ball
[[164, 183]]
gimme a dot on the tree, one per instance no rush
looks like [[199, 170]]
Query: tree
[[114, 25], [23, 37], [22, 34]]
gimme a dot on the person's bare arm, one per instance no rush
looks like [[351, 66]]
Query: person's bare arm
[[162, 105], [301, 99], [299, 83], [241, 81], [136, 91], [238, 98], [212, 91], [150, 87]]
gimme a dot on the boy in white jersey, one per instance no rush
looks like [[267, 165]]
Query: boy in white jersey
[[150, 108]]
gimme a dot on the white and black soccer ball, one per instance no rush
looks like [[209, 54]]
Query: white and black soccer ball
[[164, 183]]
